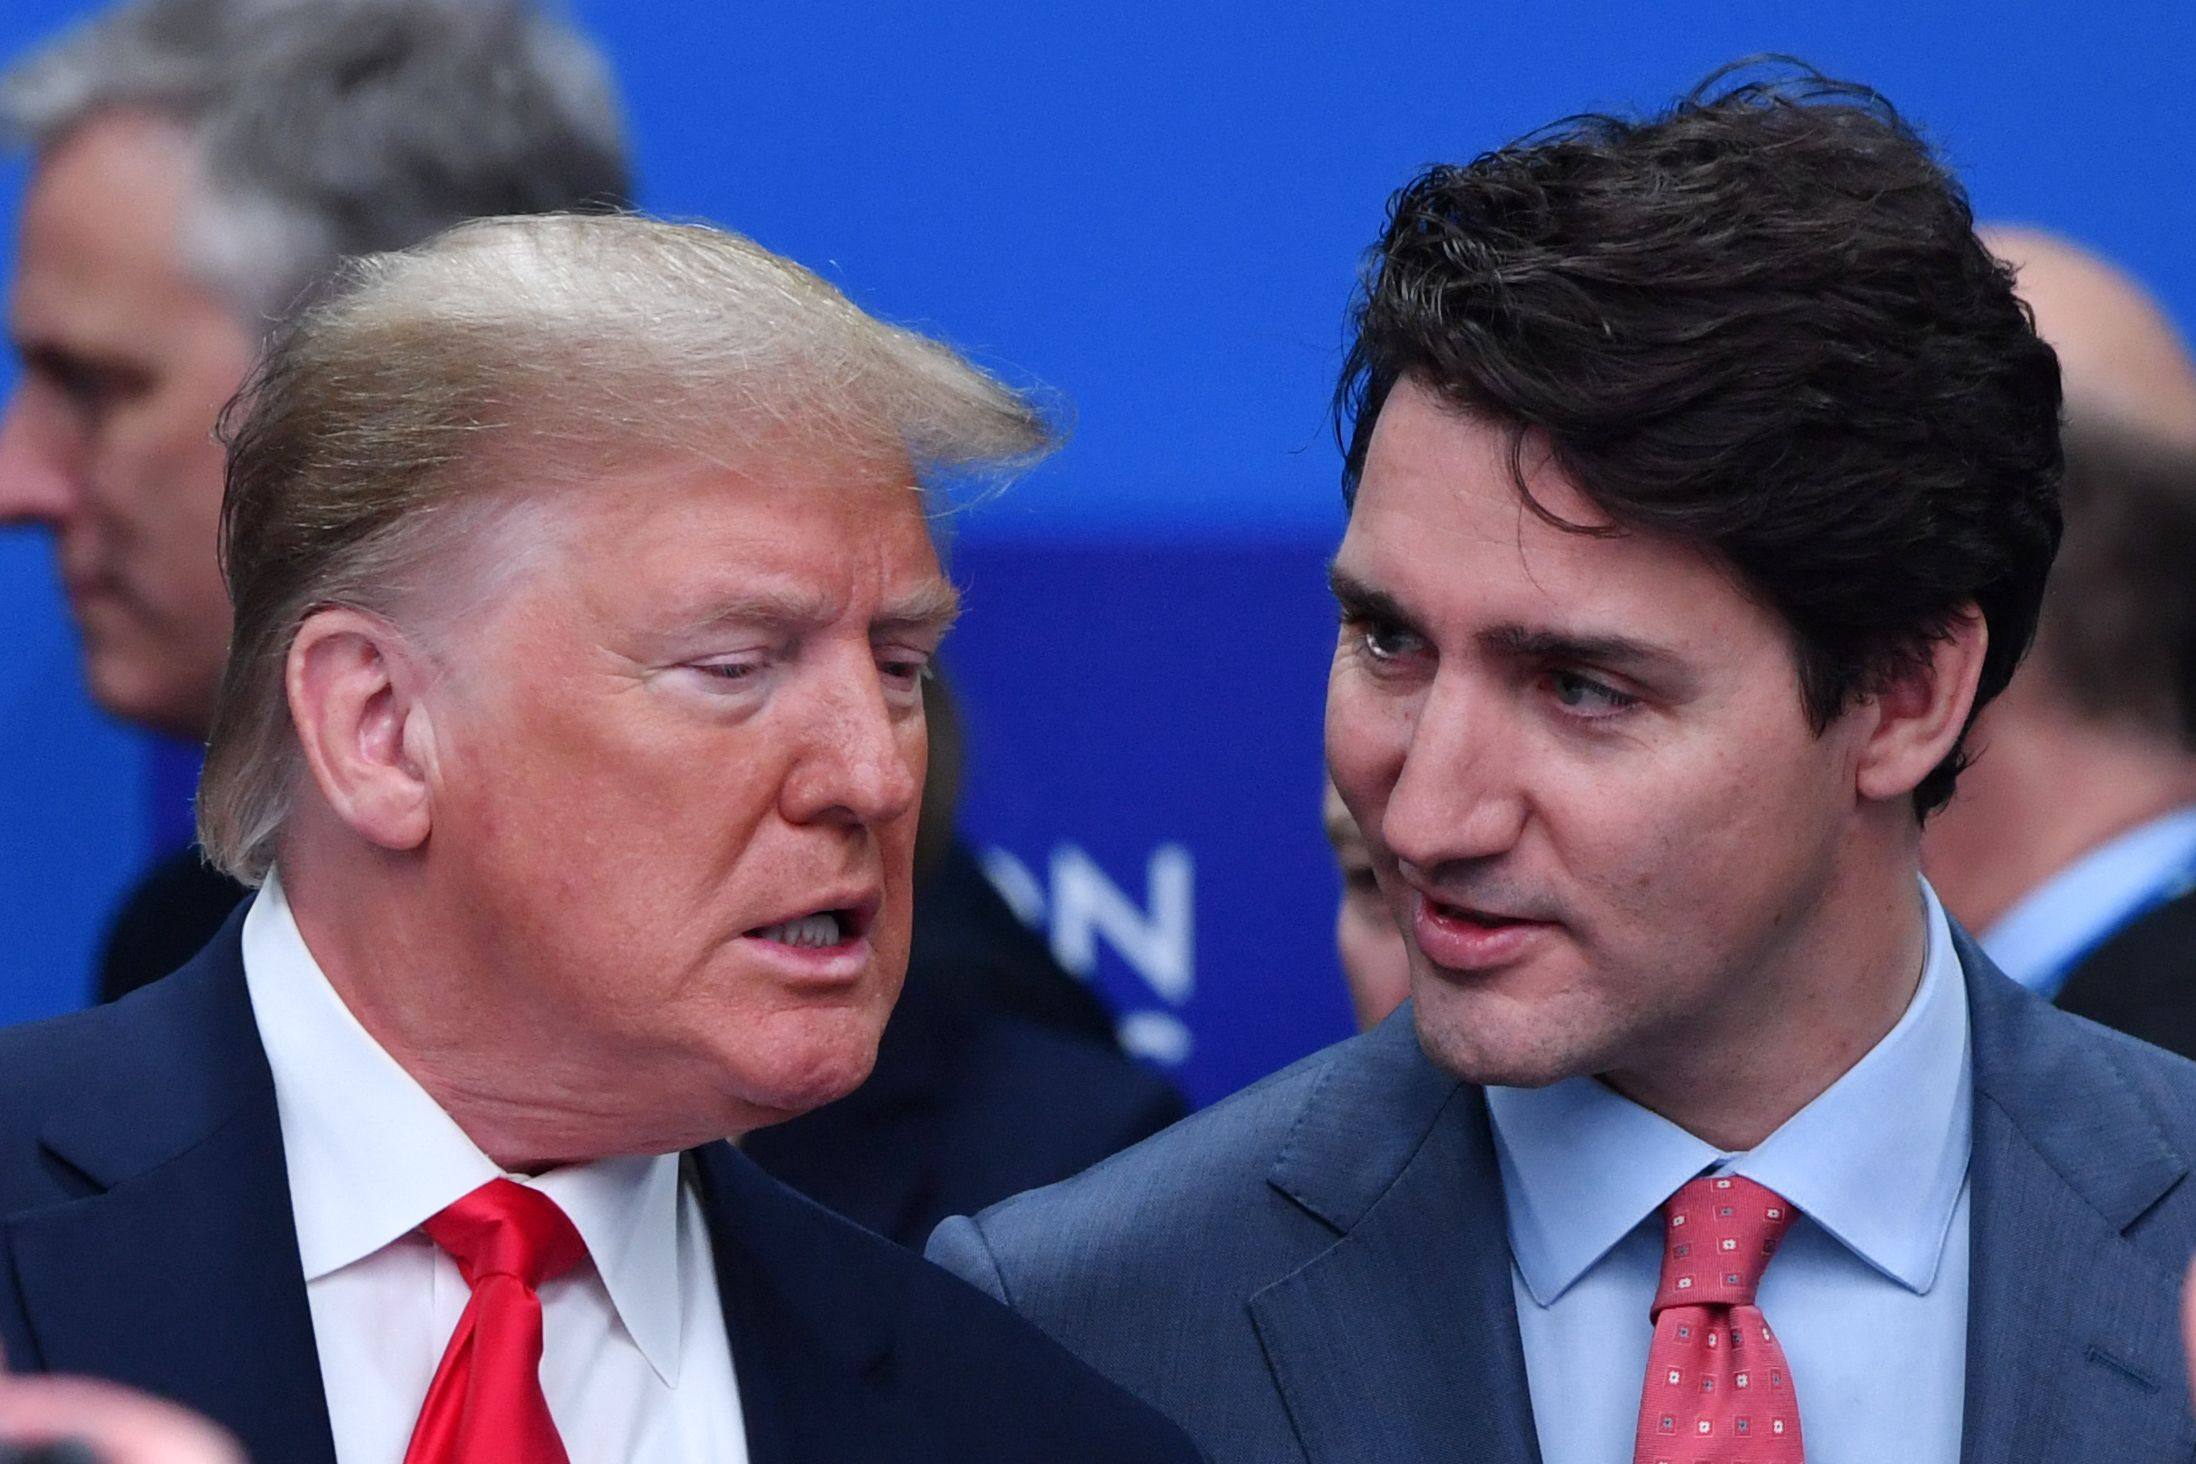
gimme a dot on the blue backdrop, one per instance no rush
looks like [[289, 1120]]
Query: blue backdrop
[[1155, 207]]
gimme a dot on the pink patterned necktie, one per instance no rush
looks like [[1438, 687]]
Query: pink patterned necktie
[[1718, 1389]]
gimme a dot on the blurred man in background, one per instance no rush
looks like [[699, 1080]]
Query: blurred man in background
[[2072, 845], [1375, 963], [200, 167], [572, 730]]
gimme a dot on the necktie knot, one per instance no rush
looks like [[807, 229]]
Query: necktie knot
[[506, 1229], [1720, 1232]]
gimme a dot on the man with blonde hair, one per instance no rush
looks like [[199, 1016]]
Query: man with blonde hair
[[573, 734]]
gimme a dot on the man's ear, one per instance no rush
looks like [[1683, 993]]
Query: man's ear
[[1921, 710], [355, 685]]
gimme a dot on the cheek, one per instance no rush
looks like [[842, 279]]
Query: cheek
[[159, 479], [1684, 848]]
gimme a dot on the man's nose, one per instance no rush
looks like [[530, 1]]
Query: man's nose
[[1457, 796], [37, 485], [857, 766]]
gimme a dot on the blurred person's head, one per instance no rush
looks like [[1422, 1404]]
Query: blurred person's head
[[584, 591], [2098, 732], [198, 166], [1375, 963], [1703, 477]]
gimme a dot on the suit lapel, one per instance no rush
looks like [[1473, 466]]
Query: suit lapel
[[181, 1275], [1399, 1342], [2074, 1348], [186, 1282], [811, 1323]]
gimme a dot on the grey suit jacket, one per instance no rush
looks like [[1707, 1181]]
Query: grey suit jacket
[[1319, 1268]]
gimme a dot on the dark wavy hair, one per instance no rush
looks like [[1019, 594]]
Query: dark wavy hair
[[1759, 322]]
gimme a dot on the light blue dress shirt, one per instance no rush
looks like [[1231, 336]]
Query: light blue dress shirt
[[2042, 938], [1868, 1292]]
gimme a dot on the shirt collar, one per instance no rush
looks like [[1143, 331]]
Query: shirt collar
[[2052, 925], [1582, 1165], [371, 1155]]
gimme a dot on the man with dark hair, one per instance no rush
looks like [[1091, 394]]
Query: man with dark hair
[[1703, 479], [2071, 850]]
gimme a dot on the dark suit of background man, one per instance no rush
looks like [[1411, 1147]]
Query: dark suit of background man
[[200, 165], [573, 731], [1703, 479], [2071, 849]]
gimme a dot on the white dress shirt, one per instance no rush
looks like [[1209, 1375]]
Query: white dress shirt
[[1868, 1291], [635, 1364]]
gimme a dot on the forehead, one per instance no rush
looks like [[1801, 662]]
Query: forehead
[[100, 257], [1440, 523], [816, 532]]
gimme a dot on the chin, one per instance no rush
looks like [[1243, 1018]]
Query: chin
[[1498, 1049], [792, 1079], [141, 700]]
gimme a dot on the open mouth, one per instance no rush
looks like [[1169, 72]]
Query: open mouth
[[818, 931], [1467, 915]]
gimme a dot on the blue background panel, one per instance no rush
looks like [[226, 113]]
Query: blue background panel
[[1089, 674]]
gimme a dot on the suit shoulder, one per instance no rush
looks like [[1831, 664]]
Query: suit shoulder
[[1036, 1391], [46, 1062], [1210, 1162], [49, 1071], [145, 1075], [997, 1389]]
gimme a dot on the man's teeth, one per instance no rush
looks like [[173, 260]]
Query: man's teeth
[[809, 930]]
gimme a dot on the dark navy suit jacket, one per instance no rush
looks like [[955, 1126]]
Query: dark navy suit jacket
[[146, 1235], [1319, 1268]]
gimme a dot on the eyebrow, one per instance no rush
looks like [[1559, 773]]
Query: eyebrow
[[1616, 652], [53, 357], [930, 607], [1361, 600], [933, 607], [1522, 642]]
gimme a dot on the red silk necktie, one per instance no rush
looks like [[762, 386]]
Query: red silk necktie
[[485, 1405], [1718, 1389]]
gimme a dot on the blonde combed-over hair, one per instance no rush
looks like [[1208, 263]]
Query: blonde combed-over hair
[[545, 349]]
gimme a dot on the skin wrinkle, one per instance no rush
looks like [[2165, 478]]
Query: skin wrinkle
[[1735, 915]]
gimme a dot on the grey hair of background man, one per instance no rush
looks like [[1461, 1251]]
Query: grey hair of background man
[[394, 422], [330, 128]]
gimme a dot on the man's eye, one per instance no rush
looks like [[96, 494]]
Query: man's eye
[[728, 671], [904, 673], [87, 388], [1384, 641], [1585, 697]]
